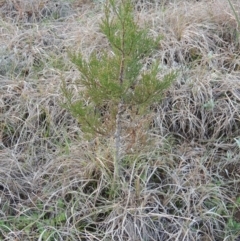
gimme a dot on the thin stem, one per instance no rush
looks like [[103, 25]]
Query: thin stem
[[121, 109], [117, 135]]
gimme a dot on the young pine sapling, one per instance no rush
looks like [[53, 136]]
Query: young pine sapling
[[114, 81]]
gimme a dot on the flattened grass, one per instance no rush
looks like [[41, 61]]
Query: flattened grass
[[180, 184]]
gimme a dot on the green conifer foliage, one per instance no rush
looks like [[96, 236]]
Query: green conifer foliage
[[114, 77]]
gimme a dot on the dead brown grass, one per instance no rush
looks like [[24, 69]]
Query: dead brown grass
[[181, 183]]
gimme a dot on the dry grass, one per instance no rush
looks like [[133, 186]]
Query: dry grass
[[180, 182]]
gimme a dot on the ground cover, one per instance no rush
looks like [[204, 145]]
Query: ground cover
[[181, 183]]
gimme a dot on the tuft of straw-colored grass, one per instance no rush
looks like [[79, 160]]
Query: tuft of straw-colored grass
[[182, 183]]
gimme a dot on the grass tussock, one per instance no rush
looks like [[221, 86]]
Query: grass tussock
[[180, 180]]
